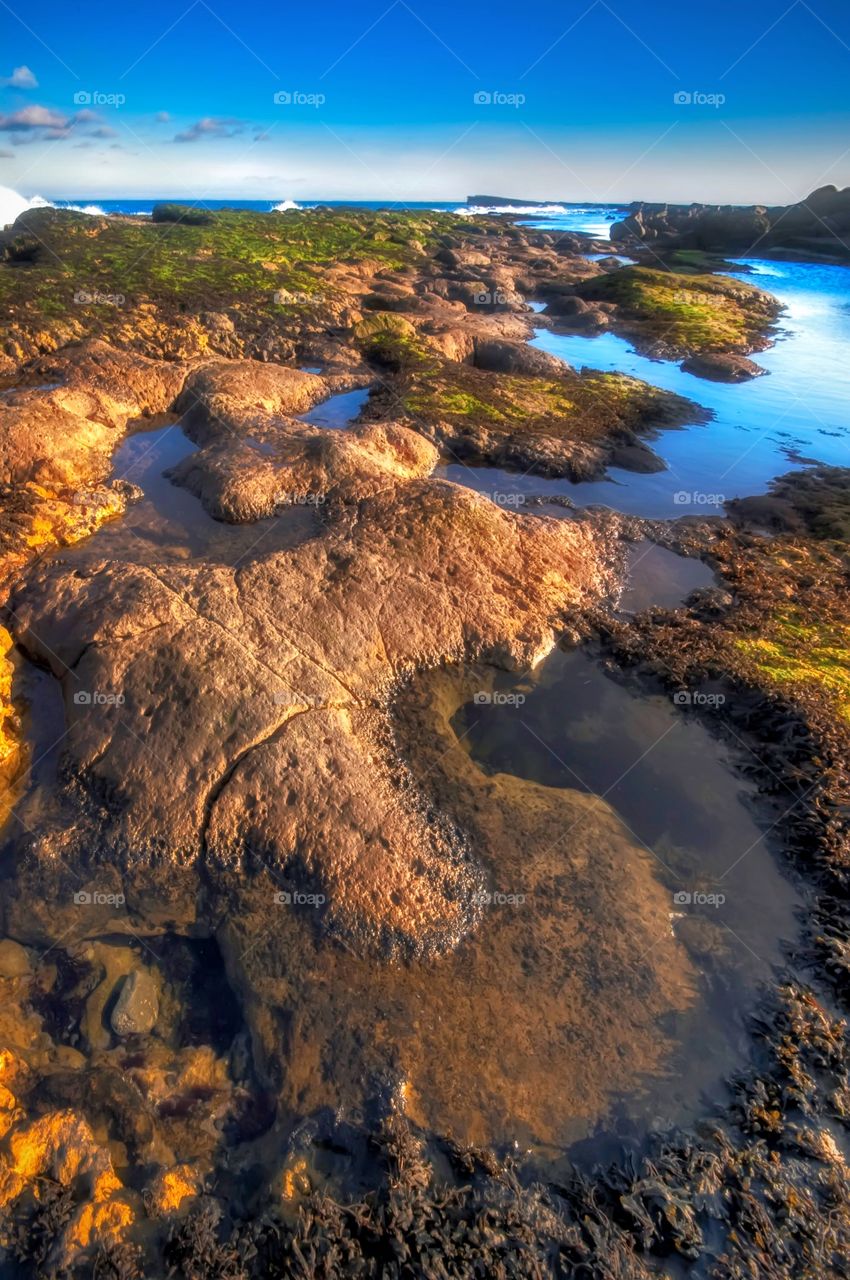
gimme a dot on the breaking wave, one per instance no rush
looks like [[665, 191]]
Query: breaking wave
[[12, 205], [547, 209]]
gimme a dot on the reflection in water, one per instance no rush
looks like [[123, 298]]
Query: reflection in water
[[761, 427], [656, 576], [169, 523], [338, 411], [671, 783]]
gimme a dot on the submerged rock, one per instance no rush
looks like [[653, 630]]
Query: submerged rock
[[137, 1007], [14, 960], [723, 367]]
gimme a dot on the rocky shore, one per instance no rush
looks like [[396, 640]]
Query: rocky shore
[[817, 227], [258, 1019]]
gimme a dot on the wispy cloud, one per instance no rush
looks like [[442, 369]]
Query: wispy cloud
[[211, 127], [21, 78], [30, 118], [39, 123]]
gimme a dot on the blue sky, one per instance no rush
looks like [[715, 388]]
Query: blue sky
[[396, 100]]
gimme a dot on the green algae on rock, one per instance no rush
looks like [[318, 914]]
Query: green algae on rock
[[673, 315], [176, 287], [570, 424]]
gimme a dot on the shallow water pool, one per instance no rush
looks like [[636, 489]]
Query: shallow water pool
[[799, 412]]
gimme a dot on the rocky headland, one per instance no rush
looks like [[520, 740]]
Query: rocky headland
[[817, 227]]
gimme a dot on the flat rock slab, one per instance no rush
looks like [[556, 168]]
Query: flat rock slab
[[137, 1007]]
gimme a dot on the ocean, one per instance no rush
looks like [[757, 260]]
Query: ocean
[[592, 219]]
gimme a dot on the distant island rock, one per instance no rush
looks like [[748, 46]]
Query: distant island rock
[[506, 202]]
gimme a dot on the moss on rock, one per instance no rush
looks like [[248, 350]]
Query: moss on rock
[[678, 315], [568, 425]]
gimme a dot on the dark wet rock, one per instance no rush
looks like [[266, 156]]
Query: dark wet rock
[[137, 1007], [189, 215], [498, 356], [37, 234], [815, 501], [589, 319], [723, 367], [464, 258], [709, 602], [567, 305], [816, 224]]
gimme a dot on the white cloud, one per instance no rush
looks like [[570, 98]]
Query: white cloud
[[211, 127], [21, 78], [35, 117]]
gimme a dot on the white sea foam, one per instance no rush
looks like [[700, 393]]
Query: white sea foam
[[93, 209], [530, 209], [12, 205], [284, 205]]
